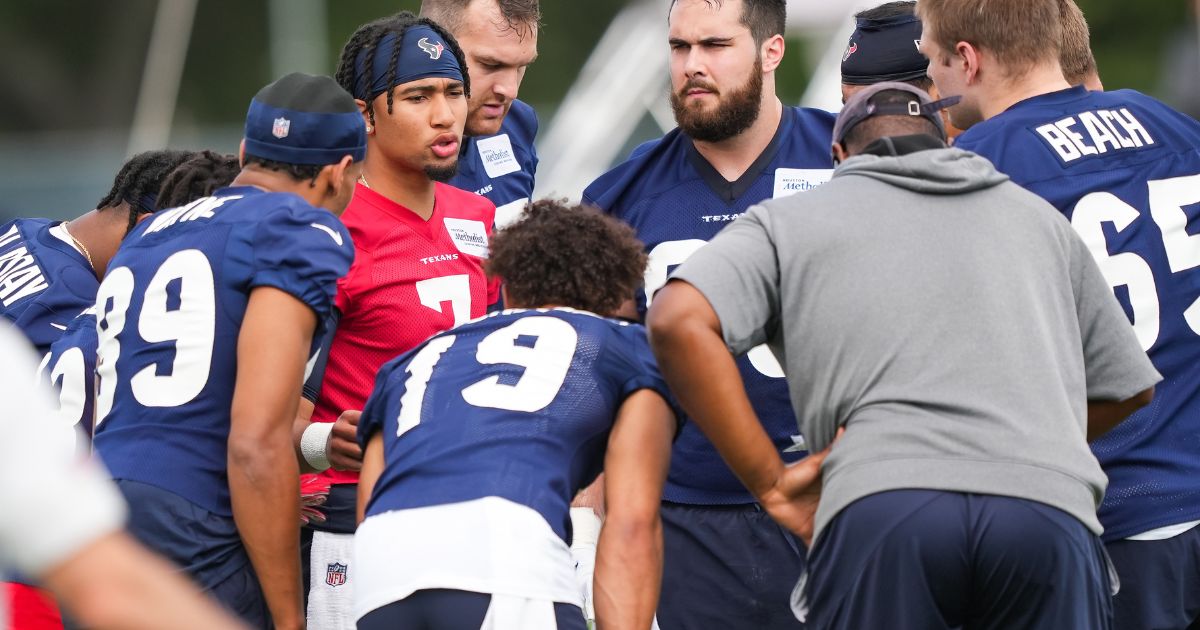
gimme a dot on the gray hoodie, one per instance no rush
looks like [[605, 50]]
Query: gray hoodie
[[953, 322]]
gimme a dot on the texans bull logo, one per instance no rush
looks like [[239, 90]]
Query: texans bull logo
[[434, 50], [850, 50]]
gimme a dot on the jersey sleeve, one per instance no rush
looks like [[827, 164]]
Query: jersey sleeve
[[638, 370], [738, 273], [303, 252], [1115, 365]]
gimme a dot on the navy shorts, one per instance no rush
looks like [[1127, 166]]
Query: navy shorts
[[205, 545], [727, 566], [1160, 583], [435, 609], [927, 560]]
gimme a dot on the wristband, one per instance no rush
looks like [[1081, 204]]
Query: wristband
[[314, 445]]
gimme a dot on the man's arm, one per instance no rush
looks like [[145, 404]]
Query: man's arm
[[629, 555], [115, 583], [685, 334], [263, 471], [372, 468], [1104, 415], [339, 443]]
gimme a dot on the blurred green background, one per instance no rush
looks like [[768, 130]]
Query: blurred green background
[[72, 72]]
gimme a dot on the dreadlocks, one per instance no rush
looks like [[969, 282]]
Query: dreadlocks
[[367, 38], [198, 177], [138, 182]]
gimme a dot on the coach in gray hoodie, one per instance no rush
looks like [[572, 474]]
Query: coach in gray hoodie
[[960, 333]]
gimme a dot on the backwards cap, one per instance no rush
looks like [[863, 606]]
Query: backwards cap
[[305, 119], [420, 54], [860, 108], [884, 50]]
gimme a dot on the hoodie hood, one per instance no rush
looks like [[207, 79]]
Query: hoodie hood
[[935, 171]]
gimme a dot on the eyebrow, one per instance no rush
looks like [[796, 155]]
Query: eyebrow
[[707, 41], [493, 61]]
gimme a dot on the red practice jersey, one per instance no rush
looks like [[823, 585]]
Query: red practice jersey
[[411, 278]]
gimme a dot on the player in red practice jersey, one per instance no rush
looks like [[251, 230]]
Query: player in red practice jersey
[[419, 247]]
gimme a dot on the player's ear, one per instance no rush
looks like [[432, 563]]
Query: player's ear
[[771, 53], [966, 59], [242, 154], [839, 153], [368, 118], [339, 176]]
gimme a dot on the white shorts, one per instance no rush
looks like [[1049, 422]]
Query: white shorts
[[331, 589]]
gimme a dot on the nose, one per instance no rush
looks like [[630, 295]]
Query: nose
[[693, 65], [507, 83], [441, 114]]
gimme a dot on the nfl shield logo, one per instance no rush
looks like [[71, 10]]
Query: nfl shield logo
[[280, 130], [335, 574]]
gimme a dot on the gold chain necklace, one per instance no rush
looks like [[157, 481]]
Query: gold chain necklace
[[363, 178], [86, 253]]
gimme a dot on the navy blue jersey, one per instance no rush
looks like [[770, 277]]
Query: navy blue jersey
[[70, 367], [168, 316], [502, 167], [1125, 169], [677, 201], [44, 281], [518, 405]]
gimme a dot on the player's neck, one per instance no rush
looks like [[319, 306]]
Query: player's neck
[[1041, 79], [411, 189], [100, 234], [731, 157]]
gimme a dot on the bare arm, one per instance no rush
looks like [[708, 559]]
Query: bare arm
[[629, 555], [115, 583], [686, 336], [373, 464], [1102, 416], [263, 471]]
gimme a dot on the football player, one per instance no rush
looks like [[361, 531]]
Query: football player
[[499, 38], [1125, 170], [206, 319], [477, 439], [49, 270], [418, 269], [727, 563], [70, 365]]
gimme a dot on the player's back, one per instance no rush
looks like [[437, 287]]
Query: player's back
[[516, 405], [44, 281], [169, 312], [1125, 169]]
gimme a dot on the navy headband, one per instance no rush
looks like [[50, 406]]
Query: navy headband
[[305, 119], [884, 50], [423, 55]]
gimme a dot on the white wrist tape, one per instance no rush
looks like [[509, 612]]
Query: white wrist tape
[[585, 527], [314, 445]]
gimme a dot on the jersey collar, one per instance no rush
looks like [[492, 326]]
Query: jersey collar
[[726, 190]]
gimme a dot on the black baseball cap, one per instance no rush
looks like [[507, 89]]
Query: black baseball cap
[[860, 107]]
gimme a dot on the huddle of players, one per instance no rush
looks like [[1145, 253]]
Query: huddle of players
[[199, 410]]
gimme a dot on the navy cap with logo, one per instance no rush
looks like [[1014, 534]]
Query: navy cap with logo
[[886, 49], [860, 107], [305, 119]]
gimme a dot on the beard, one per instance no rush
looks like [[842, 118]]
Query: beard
[[442, 173], [734, 113]]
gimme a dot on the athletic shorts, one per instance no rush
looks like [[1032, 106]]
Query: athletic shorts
[[929, 560], [727, 566]]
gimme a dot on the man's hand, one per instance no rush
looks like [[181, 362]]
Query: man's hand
[[343, 449], [793, 500]]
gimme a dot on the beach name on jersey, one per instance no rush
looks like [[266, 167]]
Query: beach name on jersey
[[20, 275], [1103, 128], [198, 209]]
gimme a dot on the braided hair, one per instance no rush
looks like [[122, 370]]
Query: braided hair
[[139, 179], [367, 38], [198, 177]]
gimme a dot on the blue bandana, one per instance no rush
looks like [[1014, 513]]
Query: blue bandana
[[423, 55], [884, 50], [305, 119]]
